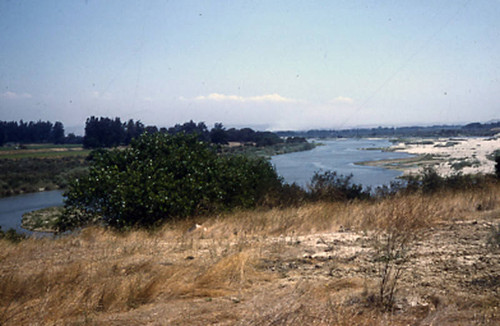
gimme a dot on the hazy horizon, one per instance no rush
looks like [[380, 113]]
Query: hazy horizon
[[284, 65]]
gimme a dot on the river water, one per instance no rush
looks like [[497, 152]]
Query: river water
[[12, 208], [335, 155], [340, 156]]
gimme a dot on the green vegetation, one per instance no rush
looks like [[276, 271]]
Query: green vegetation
[[11, 235], [460, 164], [430, 182], [328, 186], [16, 151], [494, 156], [268, 151], [105, 132], [34, 174], [45, 154], [160, 177], [35, 167]]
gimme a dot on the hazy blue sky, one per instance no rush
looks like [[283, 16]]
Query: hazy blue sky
[[273, 64]]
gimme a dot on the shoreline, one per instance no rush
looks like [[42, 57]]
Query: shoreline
[[448, 156]]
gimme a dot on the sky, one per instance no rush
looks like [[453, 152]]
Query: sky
[[270, 65]]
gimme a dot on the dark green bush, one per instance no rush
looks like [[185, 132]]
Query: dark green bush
[[164, 176], [330, 186], [429, 181], [11, 235]]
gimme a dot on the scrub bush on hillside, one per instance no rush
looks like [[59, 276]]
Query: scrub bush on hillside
[[161, 177], [330, 186]]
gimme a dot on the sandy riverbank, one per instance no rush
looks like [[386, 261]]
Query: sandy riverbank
[[447, 156]]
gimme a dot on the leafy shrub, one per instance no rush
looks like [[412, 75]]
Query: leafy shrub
[[288, 195], [12, 235], [330, 186], [164, 176], [430, 181]]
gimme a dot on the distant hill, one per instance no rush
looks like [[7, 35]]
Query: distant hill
[[472, 129]]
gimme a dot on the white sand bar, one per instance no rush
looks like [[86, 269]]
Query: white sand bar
[[454, 155]]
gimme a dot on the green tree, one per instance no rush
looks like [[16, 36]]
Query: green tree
[[330, 186], [103, 132], [57, 133], [162, 176], [218, 134]]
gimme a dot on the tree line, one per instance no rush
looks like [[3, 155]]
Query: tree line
[[107, 132], [33, 132], [104, 132]]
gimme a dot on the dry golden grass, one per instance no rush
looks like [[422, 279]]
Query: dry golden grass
[[244, 267]]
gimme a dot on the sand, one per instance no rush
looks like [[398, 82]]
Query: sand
[[449, 156]]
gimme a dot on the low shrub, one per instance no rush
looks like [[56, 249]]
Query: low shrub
[[12, 235], [429, 181], [329, 186]]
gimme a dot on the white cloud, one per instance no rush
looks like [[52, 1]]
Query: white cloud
[[14, 96], [274, 98], [271, 98], [220, 97]]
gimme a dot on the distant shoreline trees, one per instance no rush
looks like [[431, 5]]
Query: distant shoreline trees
[[34, 132], [106, 132]]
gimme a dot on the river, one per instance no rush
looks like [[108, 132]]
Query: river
[[12, 208], [335, 155], [340, 156]]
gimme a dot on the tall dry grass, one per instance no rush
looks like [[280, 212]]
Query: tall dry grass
[[423, 210], [82, 277]]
